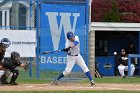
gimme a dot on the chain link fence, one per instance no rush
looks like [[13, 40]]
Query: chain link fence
[[24, 15], [19, 15]]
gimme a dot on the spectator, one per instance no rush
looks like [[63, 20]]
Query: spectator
[[131, 49], [123, 64]]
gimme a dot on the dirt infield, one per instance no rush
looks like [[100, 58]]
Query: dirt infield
[[43, 87]]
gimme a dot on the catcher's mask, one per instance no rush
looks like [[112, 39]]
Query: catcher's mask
[[5, 42], [15, 56], [2, 45]]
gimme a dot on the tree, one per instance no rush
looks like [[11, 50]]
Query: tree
[[121, 11], [130, 10], [99, 8], [114, 15]]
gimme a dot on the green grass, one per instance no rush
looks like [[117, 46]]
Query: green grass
[[71, 92], [117, 80], [33, 81], [97, 80], [43, 74], [48, 76]]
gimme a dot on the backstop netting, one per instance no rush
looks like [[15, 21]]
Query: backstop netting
[[57, 17], [49, 20], [18, 24]]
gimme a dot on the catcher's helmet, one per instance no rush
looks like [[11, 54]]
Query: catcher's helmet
[[70, 35], [14, 54], [5, 42]]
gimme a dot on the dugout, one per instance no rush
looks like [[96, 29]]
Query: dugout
[[110, 37]]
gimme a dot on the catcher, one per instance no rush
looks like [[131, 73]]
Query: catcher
[[10, 64]]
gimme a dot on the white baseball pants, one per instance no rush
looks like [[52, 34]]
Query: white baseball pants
[[123, 68], [71, 61]]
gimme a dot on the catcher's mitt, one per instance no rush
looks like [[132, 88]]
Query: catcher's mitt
[[26, 67]]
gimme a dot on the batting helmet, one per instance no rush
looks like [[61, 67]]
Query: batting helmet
[[14, 54], [70, 35]]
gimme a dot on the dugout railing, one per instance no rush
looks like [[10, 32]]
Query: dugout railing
[[130, 56]]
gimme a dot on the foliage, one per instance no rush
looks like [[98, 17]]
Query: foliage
[[114, 15], [128, 10], [99, 8]]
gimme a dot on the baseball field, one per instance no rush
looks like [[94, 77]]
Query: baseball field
[[103, 85]]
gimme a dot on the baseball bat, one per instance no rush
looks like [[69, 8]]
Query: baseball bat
[[97, 74], [53, 51]]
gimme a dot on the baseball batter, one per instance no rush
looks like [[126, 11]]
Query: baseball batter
[[73, 57]]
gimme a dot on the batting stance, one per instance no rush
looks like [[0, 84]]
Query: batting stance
[[73, 48], [10, 64]]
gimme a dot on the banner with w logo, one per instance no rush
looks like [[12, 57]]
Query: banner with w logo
[[56, 21]]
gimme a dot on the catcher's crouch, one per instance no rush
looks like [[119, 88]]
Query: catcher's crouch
[[10, 65]]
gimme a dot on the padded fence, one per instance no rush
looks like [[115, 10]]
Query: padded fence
[[56, 18], [28, 15]]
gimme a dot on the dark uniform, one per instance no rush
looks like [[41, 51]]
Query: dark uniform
[[11, 65], [123, 64], [131, 49], [1, 57], [2, 54], [3, 47], [122, 61]]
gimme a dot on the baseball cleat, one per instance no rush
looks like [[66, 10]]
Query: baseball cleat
[[13, 83], [92, 83], [124, 76], [55, 82], [4, 82]]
